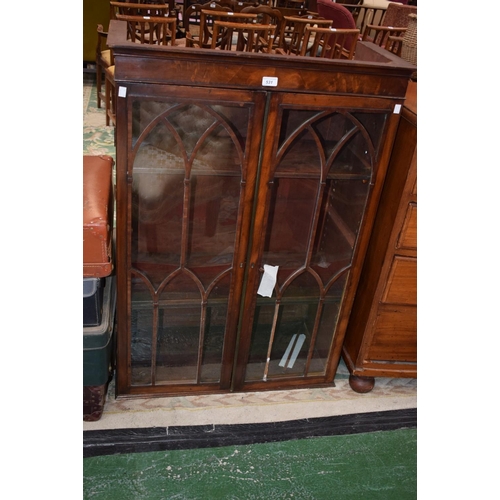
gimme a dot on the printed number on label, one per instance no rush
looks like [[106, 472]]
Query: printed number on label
[[269, 81]]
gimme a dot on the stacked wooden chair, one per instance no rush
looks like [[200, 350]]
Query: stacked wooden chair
[[208, 38], [148, 22], [329, 43], [292, 32], [192, 21], [150, 30], [103, 60], [245, 37]]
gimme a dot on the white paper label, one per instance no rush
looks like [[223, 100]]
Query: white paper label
[[122, 91], [269, 81], [397, 109], [268, 281]]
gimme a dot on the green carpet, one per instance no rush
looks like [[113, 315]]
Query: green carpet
[[376, 465]]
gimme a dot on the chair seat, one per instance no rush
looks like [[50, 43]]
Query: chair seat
[[181, 42], [376, 4], [98, 200], [106, 57]]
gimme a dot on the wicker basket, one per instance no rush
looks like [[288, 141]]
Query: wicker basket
[[409, 44]]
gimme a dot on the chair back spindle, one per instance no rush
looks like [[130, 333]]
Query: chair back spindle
[[150, 30], [329, 43], [243, 37]]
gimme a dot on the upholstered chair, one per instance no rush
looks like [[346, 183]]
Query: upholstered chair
[[397, 15], [339, 15]]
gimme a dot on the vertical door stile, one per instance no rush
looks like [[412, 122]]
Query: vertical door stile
[[251, 271]]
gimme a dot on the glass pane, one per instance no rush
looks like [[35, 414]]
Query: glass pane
[[217, 151], [331, 130], [327, 326], [298, 153], [340, 217], [177, 351], [290, 340], [290, 221], [178, 341], [295, 327], [141, 328], [157, 222], [353, 157], [212, 226], [215, 325], [293, 121], [178, 331], [374, 125]]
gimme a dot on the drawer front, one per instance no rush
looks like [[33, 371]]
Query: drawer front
[[395, 335], [401, 287], [408, 237]]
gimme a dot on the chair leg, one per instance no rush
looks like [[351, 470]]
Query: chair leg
[[108, 100], [113, 104], [98, 70]]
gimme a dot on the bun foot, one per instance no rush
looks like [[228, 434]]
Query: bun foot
[[361, 384]]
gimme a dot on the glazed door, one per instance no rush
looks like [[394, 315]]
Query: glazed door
[[191, 160], [318, 170]]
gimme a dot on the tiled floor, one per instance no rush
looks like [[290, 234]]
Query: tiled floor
[[255, 407], [97, 138]]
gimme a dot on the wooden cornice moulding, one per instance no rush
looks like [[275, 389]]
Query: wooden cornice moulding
[[375, 71]]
